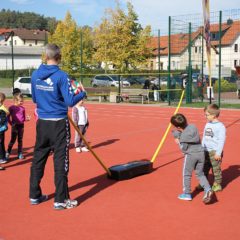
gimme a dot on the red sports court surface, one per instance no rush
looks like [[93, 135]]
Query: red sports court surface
[[143, 208]]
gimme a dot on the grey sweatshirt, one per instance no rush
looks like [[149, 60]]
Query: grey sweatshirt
[[189, 139]]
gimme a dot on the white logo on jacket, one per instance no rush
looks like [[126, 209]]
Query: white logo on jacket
[[48, 81]]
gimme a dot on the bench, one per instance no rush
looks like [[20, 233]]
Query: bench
[[101, 94], [135, 95]]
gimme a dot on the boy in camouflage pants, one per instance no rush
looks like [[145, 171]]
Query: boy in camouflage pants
[[213, 142]]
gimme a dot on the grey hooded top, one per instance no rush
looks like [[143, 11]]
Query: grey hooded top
[[189, 139]]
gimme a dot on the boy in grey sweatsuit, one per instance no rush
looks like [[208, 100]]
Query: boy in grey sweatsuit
[[188, 138]]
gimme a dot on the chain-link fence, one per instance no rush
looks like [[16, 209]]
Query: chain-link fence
[[178, 60]]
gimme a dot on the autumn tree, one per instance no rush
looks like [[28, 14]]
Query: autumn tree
[[120, 40], [67, 36]]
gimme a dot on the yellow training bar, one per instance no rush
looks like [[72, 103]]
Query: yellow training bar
[[89, 147], [166, 133]]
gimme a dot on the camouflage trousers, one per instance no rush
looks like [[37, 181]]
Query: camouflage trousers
[[211, 163]]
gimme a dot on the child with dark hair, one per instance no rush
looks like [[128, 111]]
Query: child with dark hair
[[80, 118], [187, 136], [3, 128], [16, 119]]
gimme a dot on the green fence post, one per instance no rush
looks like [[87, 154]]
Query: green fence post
[[202, 87], [119, 88], [169, 59], [81, 56], [159, 65], [220, 58], [189, 85]]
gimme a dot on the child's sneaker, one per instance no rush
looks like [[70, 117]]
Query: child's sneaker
[[36, 201], [208, 196], [20, 156], [84, 149], [3, 161], [216, 187], [7, 155], [67, 204], [78, 149], [185, 196]]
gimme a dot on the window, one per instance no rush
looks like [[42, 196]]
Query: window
[[235, 63], [235, 47], [161, 65], [196, 49], [25, 80], [36, 42], [200, 50], [15, 42]]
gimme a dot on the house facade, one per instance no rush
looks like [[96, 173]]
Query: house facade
[[28, 46], [23, 37], [230, 49]]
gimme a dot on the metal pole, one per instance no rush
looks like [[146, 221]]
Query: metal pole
[[202, 63], [159, 64], [13, 72], [189, 85], [169, 59], [220, 58], [81, 56]]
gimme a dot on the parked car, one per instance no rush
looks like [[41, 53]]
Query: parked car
[[134, 80], [108, 81], [24, 84]]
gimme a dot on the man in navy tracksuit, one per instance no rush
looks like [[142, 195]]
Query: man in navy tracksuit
[[53, 94]]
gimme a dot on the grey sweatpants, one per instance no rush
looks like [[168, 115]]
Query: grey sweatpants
[[195, 162], [78, 142]]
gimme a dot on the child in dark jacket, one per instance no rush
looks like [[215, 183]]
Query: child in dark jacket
[[187, 136], [3, 128]]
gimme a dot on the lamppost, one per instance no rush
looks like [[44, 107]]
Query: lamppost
[[11, 34]]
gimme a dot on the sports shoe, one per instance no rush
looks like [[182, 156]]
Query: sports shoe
[[2, 168], [216, 187], [20, 156], [185, 196], [84, 149], [36, 201], [67, 204], [208, 196], [3, 161], [7, 155], [78, 149]]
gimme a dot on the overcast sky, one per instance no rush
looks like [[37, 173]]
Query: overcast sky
[[90, 12]]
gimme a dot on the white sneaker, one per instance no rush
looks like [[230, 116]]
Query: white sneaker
[[67, 204], [84, 149], [7, 155], [3, 161], [78, 149]]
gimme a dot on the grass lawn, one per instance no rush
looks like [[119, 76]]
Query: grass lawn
[[5, 82]]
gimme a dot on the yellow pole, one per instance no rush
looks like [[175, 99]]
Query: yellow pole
[[89, 147], [166, 132]]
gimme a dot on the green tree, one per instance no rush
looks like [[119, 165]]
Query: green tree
[[120, 40], [67, 37], [28, 20]]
